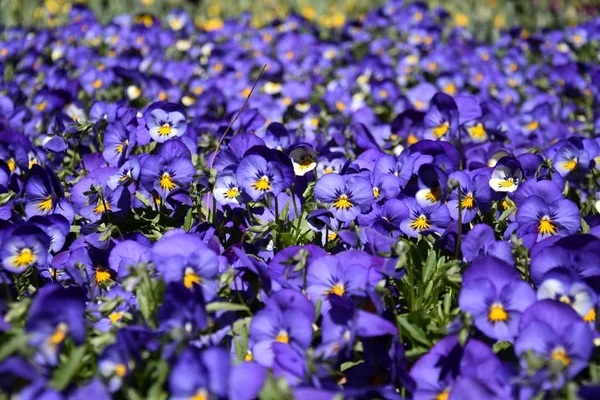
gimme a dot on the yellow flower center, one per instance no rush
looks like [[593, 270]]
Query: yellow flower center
[[289, 55], [340, 105], [201, 394], [441, 130], [60, 333], [497, 313], [383, 93], [477, 132], [412, 139], [46, 204], [120, 147], [570, 165], [450, 89], [337, 289], [12, 164], [420, 223], [533, 125], [508, 182], [444, 395], [116, 316], [286, 101], [97, 84], [190, 278], [102, 275], [262, 184], [42, 106], [461, 20], [24, 258], [102, 207], [342, 202], [328, 170], [232, 193], [331, 237], [434, 195], [560, 354], [283, 337], [306, 162], [120, 370], [468, 202], [164, 130], [166, 182], [564, 299], [376, 192], [546, 226], [248, 356], [590, 316], [419, 105]]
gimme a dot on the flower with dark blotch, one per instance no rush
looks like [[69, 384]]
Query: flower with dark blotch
[[119, 140], [571, 158], [475, 195], [184, 258], [128, 174], [441, 120], [303, 157], [433, 185], [44, 194], [539, 218], [24, 246], [92, 198], [166, 175], [227, 190], [348, 195], [507, 175], [165, 121], [422, 220], [386, 218], [385, 186], [259, 176]]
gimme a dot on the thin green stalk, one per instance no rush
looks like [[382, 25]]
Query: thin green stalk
[[459, 230]]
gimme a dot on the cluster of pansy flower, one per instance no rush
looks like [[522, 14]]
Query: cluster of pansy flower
[[386, 210]]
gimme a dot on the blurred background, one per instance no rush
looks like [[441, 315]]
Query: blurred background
[[482, 16]]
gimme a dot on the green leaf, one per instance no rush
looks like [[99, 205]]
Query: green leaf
[[12, 346], [275, 389], [414, 332], [503, 345], [350, 364], [64, 373], [159, 377], [142, 198], [507, 213], [5, 197], [585, 228], [430, 266], [222, 306], [188, 221]]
